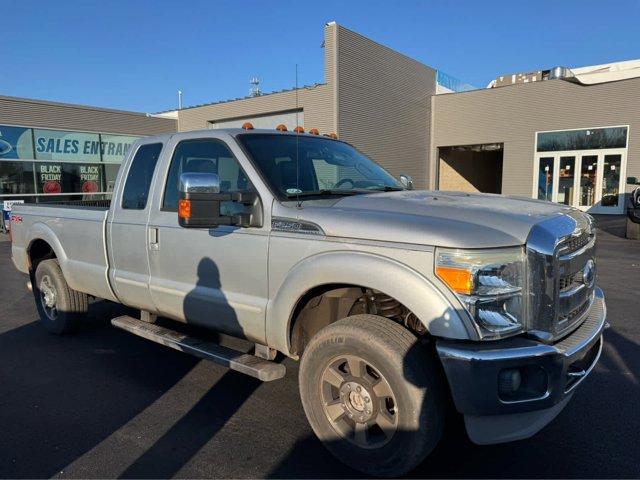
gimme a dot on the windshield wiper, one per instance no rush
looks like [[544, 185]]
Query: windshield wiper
[[325, 192], [386, 188]]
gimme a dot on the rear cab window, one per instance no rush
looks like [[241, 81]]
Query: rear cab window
[[138, 182]]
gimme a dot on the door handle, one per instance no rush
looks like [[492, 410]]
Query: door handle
[[153, 238]]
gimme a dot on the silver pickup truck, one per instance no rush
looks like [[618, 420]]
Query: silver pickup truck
[[398, 303]]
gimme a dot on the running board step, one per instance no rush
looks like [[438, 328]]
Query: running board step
[[240, 362]]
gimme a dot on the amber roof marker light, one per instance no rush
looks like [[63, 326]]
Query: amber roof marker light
[[298, 129], [331, 135], [281, 128], [247, 126], [314, 131]]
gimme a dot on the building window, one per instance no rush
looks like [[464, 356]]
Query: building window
[[59, 145], [113, 148], [15, 142], [62, 177], [587, 139], [16, 178], [59, 164], [110, 174]]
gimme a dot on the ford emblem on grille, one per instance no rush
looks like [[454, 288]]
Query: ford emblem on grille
[[588, 273]]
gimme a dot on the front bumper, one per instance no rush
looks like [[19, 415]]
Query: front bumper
[[549, 375]]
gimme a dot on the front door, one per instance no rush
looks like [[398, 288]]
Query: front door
[[590, 180], [127, 229], [217, 277]]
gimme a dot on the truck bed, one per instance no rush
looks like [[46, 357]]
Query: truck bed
[[76, 232]]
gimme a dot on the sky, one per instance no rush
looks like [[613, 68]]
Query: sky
[[135, 55]]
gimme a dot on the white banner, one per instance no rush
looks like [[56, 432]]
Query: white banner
[[7, 204]]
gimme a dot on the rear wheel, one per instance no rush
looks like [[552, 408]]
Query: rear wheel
[[59, 306], [372, 394]]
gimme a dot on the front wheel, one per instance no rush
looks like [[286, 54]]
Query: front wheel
[[372, 394], [59, 306]]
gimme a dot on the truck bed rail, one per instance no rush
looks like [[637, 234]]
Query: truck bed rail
[[99, 203]]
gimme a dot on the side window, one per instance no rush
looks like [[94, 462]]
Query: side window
[[136, 187], [206, 156]]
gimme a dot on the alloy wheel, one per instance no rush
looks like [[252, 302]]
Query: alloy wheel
[[359, 402], [48, 297]]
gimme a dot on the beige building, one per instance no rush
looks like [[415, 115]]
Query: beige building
[[569, 135]]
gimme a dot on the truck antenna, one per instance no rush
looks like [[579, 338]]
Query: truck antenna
[[296, 129]]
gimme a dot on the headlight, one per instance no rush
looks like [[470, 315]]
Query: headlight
[[489, 283]]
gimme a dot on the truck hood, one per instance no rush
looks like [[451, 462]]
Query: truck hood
[[452, 219]]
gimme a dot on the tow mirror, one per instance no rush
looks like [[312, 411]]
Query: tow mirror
[[200, 202], [407, 181], [632, 181]]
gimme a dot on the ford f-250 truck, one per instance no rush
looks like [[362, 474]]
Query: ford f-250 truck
[[397, 302]]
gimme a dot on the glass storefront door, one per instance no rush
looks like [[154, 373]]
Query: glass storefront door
[[566, 180], [588, 181], [591, 180], [613, 182]]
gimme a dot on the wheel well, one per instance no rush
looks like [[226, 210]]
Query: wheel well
[[39, 250], [326, 304]]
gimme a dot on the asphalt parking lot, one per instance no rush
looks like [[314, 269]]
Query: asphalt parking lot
[[103, 403]]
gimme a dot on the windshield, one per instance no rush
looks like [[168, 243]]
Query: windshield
[[326, 167]]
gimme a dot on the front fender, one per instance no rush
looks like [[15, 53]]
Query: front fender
[[406, 285]]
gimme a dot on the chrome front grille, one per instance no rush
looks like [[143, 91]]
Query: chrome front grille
[[568, 281], [560, 254], [576, 243], [566, 321]]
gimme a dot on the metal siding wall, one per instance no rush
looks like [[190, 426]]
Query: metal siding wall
[[290, 120], [513, 114], [38, 113], [315, 102], [384, 104]]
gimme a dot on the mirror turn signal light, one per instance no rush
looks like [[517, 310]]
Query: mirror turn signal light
[[281, 128], [247, 126], [184, 208], [457, 279]]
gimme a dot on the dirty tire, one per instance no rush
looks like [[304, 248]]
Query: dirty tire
[[389, 352], [60, 308]]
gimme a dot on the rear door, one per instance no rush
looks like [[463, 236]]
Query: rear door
[[128, 233], [217, 277]]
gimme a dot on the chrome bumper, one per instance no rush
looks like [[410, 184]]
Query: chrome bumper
[[474, 372]]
